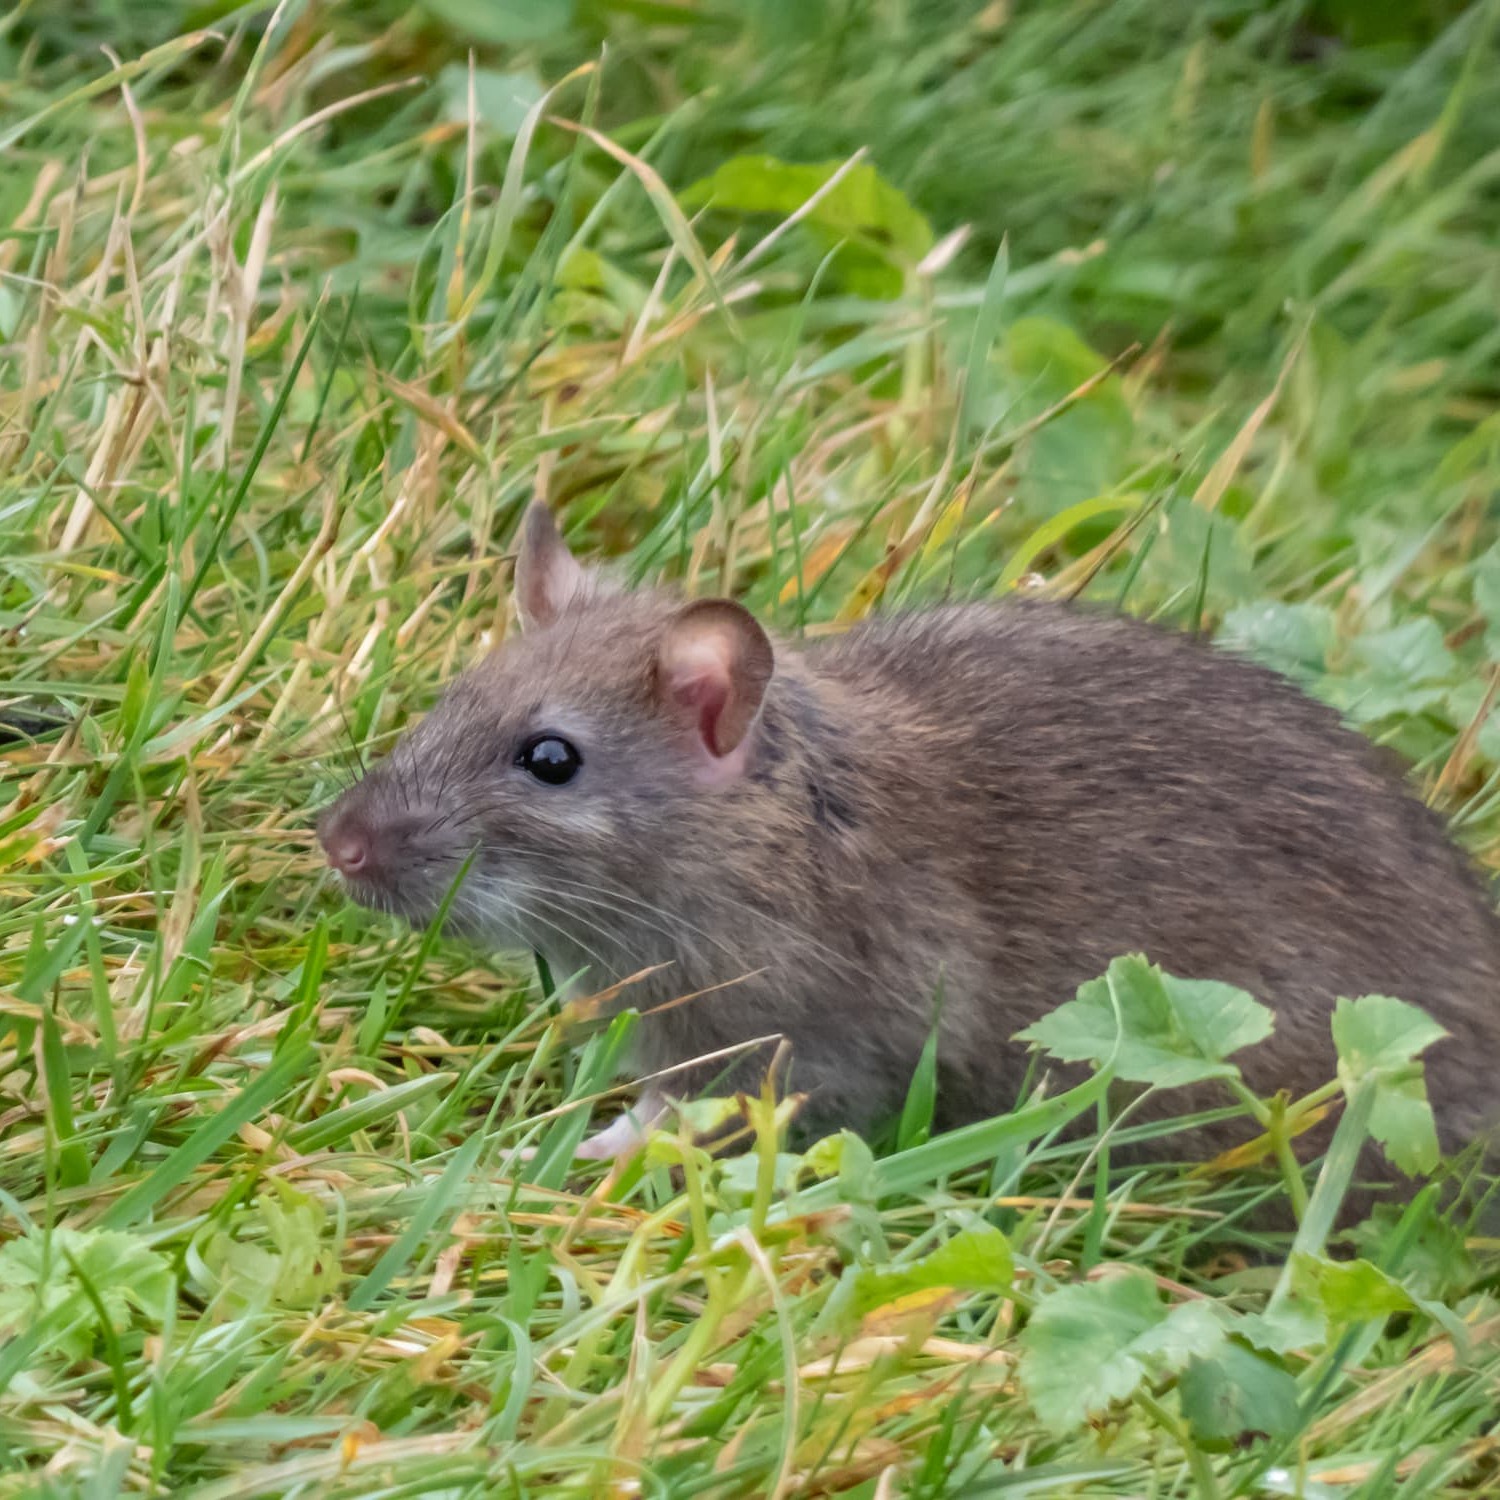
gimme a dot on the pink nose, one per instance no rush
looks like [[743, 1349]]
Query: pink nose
[[348, 851]]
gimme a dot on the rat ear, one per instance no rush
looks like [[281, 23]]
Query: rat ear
[[548, 576], [712, 669]]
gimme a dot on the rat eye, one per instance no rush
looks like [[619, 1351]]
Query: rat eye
[[550, 758]]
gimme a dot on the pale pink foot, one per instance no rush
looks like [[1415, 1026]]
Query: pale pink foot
[[622, 1139]]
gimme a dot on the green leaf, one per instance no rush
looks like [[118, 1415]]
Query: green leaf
[[300, 1268], [974, 1260], [501, 100], [1236, 1394], [335, 1127], [1170, 1031], [982, 334], [1381, 1037], [1411, 652], [845, 1156], [1403, 670], [1401, 1120], [1057, 527], [73, 1159], [861, 211], [1487, 587], [1294, 1322], [1348, 1291], [137, 700], [1293, 639], [1078, 452], [1426, 1247], [1379, 1034], [35, 1278], [957, 1150], [505, 22], [1089, 1345], [1197, 548]]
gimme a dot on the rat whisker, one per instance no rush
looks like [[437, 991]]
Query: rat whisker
[[626, 937], [621, 903], [509, 895], [838, 962]]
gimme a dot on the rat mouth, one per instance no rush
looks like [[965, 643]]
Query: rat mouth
[[374, 895], [463, 910]]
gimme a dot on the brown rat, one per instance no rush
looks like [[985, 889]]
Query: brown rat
[[1000, 799]]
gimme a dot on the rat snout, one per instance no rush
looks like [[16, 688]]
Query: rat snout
[[369, 846]]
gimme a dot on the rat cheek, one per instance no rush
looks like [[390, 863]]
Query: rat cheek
[[587, 820]]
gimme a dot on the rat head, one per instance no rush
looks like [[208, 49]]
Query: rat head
[[559, 775]]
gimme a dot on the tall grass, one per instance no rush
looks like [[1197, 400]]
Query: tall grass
[[1186, 307]]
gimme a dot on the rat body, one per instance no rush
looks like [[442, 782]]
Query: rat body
[[997, 800]]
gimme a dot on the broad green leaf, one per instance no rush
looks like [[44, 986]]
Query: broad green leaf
[[846, 1156], [861, 212], [1427, 1248], [974, 1260], [1170, 1031], [862, 204], [738, 1174], [1188, 1331], [1293, 639], [36, 1277], [1401, 1120], [1295, 1322], [1487, 587], [1089, 1345], [1411, 652], [506, 22], [501, 100], [1379, 1034], [1401, 671], [1381, 1037], [1466, 697], [298, 1269], [1348, 1291], [1080, 451], [1237, 1394]]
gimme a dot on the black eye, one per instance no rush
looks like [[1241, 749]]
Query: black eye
[[550, 758]]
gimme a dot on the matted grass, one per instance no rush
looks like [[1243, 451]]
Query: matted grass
[[1188, 307]]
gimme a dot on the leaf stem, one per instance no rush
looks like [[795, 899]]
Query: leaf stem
[[1203, 1471], [1333, 1182]]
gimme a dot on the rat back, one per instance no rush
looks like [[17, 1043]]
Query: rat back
[[1056, 788]]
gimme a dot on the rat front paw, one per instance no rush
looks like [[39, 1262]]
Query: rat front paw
[[622, 1139]]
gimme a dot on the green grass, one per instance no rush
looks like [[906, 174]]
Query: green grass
[[290, 331]]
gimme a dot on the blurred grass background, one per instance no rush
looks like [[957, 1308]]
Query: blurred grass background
[[1186, 307]]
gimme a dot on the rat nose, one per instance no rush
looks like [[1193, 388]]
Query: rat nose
[[348, 850], [348, 840]]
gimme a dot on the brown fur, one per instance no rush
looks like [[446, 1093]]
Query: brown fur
[[1001, 797]]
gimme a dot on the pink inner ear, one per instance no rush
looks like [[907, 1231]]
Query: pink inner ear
[[706, 692]]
